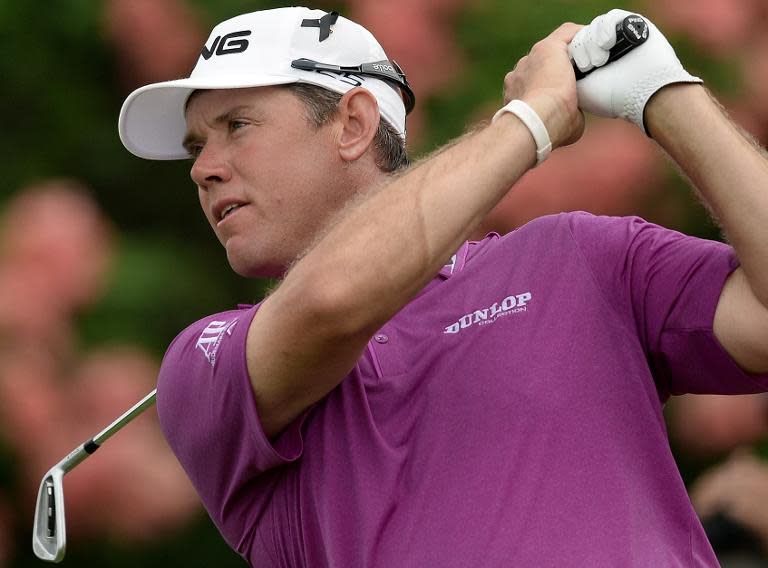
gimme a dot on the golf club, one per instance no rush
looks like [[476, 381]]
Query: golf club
[[49, 533]]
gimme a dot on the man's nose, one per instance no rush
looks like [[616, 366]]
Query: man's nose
[[210, 167]]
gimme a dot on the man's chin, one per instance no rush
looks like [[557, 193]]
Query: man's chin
[[248, 268]]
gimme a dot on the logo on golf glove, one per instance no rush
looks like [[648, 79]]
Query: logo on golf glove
[[623, 88]]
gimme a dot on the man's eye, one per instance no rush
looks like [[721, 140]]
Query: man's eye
[[194, 150], [237, 124]]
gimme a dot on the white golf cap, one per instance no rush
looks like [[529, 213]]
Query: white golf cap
[[270, 47]]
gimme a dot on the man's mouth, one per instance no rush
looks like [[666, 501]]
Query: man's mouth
[[228, 209]]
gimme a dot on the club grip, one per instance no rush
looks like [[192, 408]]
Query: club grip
[[630, 32]]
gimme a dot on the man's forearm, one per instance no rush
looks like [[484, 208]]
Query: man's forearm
[[385, 250], [390, 245], [727, 169], [381, 252]]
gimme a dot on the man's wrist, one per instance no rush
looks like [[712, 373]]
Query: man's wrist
[[562, 122], [669, 105], [533, 122]]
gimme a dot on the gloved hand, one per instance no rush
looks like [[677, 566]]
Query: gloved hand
[[623, 88]]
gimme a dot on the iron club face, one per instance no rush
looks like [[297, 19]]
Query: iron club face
[[49, 533]]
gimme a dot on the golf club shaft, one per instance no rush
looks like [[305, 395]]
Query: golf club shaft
[[87, 448], [128, 416]]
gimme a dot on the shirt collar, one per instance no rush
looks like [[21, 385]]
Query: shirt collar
[[457, 262]]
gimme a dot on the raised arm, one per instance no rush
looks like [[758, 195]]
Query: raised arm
[[651, 88], [731, 173], [310, 332]]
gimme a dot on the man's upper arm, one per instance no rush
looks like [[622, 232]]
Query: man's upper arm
[[296, 354], [671, 285], [741, 324]]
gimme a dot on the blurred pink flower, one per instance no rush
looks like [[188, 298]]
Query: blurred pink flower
[[756, 81], [611, 170], [106, 382], [721, 26], [55, 234], [419, 35], [29, 311], [48, 406], [134, 490], [136, 474], [34, 410], [156, 40]]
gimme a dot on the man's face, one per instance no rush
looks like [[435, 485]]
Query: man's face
[[267, 179]]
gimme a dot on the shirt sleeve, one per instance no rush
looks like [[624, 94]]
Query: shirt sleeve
[[208, 415], [667, 285]]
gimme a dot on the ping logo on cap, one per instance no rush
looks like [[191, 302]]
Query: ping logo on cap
[[225, 44]]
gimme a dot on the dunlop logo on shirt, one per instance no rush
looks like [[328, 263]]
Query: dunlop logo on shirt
[[485, 316]]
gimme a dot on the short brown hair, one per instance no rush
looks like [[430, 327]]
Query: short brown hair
[[322, 104]]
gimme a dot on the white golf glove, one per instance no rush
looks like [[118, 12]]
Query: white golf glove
[[623, 88]]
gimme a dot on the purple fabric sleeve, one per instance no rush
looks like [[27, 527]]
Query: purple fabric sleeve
[[671, 283], [208, 415]]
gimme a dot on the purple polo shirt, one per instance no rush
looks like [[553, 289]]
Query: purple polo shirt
[[510, 415]]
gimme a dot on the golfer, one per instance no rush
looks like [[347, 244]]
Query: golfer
[[404, 397]]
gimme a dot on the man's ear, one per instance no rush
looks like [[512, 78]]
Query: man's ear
[[358, 116]]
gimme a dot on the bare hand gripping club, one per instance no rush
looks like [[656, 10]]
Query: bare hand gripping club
[[49, 533], [631, 32]]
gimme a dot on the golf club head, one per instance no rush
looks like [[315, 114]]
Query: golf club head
[[49, 533]]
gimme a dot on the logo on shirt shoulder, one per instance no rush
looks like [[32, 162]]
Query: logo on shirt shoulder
[[510, 305], [210, 339]]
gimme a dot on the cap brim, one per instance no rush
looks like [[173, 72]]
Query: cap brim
[[152, 124]]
